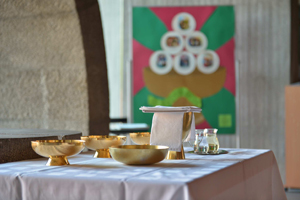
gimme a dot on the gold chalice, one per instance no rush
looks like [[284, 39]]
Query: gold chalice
[[101, 143], [139, 154], [57, 150], [187, 122], [142, 138]]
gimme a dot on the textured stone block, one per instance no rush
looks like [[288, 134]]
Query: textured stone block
[[52, 66], [21, 94], [24, 123], [67, 96], [29, 8], [51, 42], [69, 125]]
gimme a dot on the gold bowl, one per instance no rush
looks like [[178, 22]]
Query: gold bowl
[[57, 150], [101, 143], [139, 154], [142, 138]]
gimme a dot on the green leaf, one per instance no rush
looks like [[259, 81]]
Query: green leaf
[[174, 96], [220, 26], [141, 99], [218, 109], [147, 28]]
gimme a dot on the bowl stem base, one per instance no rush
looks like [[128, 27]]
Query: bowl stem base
[[174, 155], [102, 153], [57, 161]]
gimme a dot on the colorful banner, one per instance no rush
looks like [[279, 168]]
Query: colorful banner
[[184, 56]]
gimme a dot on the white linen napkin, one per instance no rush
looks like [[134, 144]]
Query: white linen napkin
[[167, 130], [147, 109], [167, 125]]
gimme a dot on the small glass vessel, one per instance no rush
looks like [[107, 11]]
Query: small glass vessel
[[212, 140], [200, 145]]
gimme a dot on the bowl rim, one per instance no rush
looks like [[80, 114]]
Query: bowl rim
[[57, 142], [161, 147], [142, 134], [103, 137]]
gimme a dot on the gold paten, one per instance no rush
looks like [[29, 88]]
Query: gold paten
[[101, 143], [138, 154], [142, 138], [186, 127], [57, 150]]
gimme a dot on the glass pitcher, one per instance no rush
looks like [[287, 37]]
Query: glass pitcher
[[200, 145], [212, 140]]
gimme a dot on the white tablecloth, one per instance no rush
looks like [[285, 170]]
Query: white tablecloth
[[240, 174]]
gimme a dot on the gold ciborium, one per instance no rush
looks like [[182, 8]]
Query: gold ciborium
[[139, 154], [101, 144], [57, 150], [186, 127], [142, 138]]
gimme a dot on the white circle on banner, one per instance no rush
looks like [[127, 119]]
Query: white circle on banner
[[196, 42], [208, 62], [172, 42], [184, 63], [184, 23], [161, 62]]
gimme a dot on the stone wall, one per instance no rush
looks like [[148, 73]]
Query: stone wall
[[52, 71]]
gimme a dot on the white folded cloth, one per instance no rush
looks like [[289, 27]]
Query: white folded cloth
[[147, 109], [167, 130], [167, 125]]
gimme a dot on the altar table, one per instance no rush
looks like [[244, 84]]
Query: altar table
[[241, 174]]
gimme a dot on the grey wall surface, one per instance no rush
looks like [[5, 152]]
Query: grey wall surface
[[263, 50], [43, 75]]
